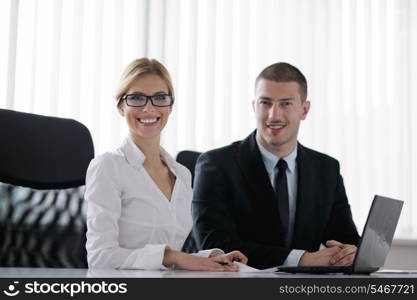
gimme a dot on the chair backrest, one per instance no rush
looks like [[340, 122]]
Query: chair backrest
[[188, 159], [43, 161], [43, 152]]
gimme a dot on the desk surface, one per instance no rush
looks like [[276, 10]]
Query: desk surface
[[109, 273]]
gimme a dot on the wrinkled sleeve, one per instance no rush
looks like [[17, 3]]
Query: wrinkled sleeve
[[104, 204]]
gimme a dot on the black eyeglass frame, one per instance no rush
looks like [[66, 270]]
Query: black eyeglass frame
[[148, 98]]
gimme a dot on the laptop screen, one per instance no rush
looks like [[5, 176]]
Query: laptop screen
[[378, 233]]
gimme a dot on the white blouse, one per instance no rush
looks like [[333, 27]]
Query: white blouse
[[130, 222]]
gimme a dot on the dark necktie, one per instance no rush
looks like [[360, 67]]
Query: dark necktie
[[281, 195]]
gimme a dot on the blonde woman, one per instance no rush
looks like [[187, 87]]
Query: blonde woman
[[138, 197]]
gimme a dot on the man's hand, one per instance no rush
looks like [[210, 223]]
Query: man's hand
[[337, 254], [319, 258], [345, 256]]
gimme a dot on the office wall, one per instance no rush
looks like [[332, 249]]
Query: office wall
[[403, 255]]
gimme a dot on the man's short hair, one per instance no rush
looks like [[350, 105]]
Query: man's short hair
[[284, 72]]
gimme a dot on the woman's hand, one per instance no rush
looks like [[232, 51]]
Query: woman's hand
[[228, 259], [191, 262]]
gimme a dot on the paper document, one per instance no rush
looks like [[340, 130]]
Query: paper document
[[246, 269]]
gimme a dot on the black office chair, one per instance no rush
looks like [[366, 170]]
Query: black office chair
[[189, 159], [43, 161]]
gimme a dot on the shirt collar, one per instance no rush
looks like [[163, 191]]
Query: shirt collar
[[136, 157], [270, 160]]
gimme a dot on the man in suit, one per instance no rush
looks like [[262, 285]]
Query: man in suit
[[269, 196]]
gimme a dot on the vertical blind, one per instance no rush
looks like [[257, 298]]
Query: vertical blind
[[64, 58]]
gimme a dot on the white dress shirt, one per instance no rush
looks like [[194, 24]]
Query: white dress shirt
[[130, 222], [270, 161]]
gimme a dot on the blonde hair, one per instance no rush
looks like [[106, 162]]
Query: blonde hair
[[138, 68]]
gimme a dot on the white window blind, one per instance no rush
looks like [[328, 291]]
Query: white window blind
[[64, 58]]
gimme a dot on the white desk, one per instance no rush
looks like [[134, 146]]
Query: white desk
[[109, 273]]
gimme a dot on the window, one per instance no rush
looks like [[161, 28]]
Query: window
[[64, 58]]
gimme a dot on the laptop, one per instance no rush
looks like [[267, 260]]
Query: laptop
[[374, 245]]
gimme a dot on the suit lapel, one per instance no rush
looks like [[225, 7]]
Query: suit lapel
[[256, 177], [305, 207]]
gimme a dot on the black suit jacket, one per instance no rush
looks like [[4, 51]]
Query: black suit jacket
[[234, 209]]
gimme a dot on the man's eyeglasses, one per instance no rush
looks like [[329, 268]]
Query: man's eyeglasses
[[140, 100]]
